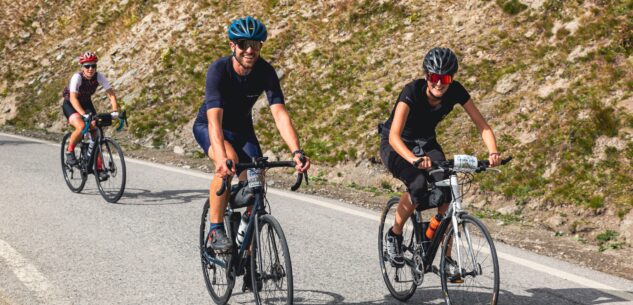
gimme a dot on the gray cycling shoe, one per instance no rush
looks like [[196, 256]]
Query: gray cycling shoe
[[218, 240], [394, 249], [71, 160]]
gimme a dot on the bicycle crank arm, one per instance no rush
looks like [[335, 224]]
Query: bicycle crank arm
[[212, 260]]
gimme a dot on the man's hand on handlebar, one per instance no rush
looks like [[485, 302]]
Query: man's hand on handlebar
[[302, 162], [222, 170]]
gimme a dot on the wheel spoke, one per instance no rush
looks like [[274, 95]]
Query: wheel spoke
[[479, 280]]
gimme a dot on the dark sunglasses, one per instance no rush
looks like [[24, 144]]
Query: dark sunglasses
[[88, 66], [244, 44], [444, 78]]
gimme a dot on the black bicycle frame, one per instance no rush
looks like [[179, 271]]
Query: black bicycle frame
[[89, 161], [435, 242], [258, 209]]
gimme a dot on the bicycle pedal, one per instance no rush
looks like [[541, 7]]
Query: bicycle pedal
[[457, 280], [435, 270]]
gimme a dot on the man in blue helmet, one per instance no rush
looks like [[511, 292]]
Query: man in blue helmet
[[224, 125]]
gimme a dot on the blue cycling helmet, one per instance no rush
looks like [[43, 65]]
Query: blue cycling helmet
[[247, 28]]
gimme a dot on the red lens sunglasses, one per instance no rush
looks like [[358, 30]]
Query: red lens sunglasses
[[444, 78]]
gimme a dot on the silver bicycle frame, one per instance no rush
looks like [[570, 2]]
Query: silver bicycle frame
[[455, 211]]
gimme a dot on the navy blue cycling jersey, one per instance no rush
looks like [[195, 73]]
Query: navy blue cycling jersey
[[423, 118], [237, 94]]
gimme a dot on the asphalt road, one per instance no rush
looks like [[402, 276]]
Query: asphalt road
[[58, 247]]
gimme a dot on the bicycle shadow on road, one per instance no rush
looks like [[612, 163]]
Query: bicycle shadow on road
[[163, 197], [428, 295], [319, 297]]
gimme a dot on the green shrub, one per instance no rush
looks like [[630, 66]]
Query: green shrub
[[511, 7]]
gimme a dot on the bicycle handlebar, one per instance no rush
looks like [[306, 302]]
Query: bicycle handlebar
[[262, 163], [447, 165], [229, 164], [88, 120], [122, 120]]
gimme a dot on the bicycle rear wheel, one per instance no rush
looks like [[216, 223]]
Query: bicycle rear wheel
[[399, 280], [112, 163], [479, 280], [271, 269], [74, 177], [219, 280]]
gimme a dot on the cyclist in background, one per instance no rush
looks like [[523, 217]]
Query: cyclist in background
[[78, 101], [224, 125], [408, 139]]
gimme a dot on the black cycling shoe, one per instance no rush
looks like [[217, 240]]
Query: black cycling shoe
[[218, 240], [451, 271], [394, 249], [103, 175], [71, 160], [248, 282]]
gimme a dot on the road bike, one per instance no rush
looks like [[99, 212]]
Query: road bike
[[468, 267], [267, 257], [101, 156]]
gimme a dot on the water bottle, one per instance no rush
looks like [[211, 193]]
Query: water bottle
[[91, 145], [241, 231], [433, 224]]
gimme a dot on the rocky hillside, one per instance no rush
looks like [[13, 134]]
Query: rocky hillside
[[554, 79]]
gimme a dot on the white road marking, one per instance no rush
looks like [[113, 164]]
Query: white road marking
[[25, 271], [583, 281]]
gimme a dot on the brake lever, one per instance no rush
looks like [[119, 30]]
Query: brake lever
[[224, 186]]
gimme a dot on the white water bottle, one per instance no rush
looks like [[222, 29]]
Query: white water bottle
[[91, 144], [241, 231]]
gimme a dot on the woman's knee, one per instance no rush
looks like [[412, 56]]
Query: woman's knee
[[418, 188]]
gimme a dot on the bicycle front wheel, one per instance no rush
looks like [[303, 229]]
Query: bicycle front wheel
[[471, 275], [219, 280], [109, 169], [399, 280], [74, 177], [271, 269]]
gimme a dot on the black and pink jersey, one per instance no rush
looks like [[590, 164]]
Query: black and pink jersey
[[85, 88]]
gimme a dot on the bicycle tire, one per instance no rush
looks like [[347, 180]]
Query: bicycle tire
[[73, 175], [221, 291], [268, 251], [110, 153], [399, 288], [480, 284]]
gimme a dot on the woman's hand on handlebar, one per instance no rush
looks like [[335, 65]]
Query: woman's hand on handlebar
[[423, 162], [494, 159], [222, 170]]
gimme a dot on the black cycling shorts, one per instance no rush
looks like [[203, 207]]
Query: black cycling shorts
[[68, 109], [416, 180]]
